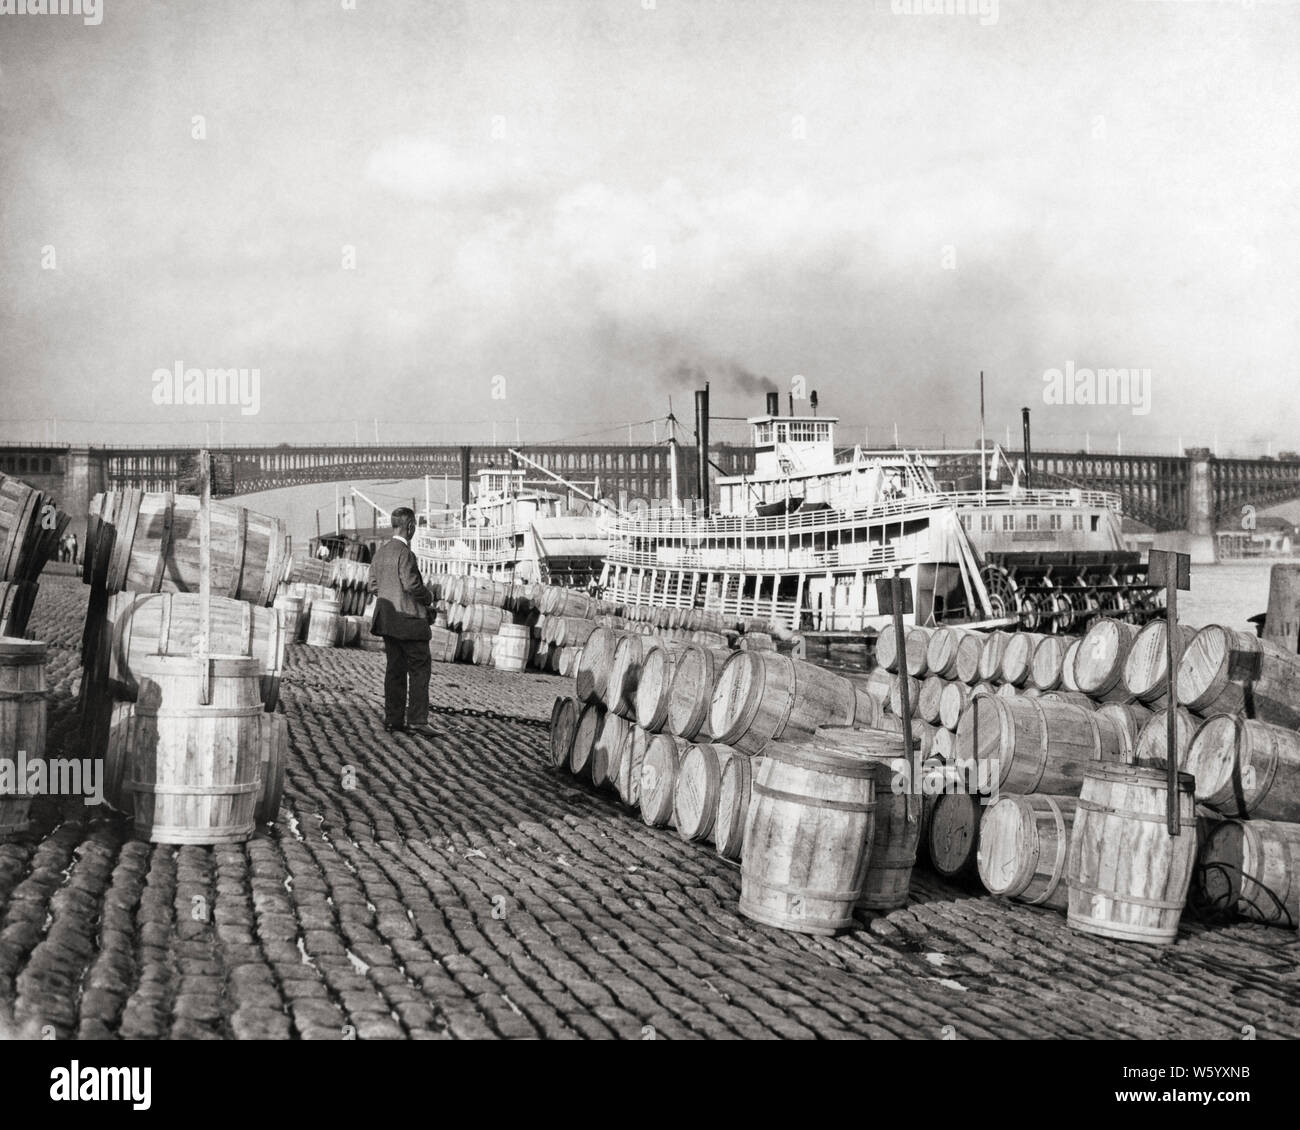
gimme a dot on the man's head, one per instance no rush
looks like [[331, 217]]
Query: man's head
[[404, 521]]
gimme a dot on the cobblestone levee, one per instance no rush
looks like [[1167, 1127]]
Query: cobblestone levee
[[461, 888]]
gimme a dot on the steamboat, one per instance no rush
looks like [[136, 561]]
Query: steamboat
[[800, 542], [513, 532]]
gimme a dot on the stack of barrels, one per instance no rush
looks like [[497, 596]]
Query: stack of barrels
[[192, 747], [1071, 737], [680, 731], [30, 531]]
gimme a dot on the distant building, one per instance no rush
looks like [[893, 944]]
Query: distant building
[[1271, 536]]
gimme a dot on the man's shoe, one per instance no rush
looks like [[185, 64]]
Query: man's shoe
[[390, 728], [424, 730]]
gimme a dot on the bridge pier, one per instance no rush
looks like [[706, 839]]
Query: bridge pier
[[83, 477], [1201, 542]]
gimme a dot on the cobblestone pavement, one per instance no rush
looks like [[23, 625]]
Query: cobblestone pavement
[[461, 888]]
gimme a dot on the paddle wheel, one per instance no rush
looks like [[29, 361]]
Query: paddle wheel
[[1062, 593]]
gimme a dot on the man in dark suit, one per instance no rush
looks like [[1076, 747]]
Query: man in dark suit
[[403, 609]]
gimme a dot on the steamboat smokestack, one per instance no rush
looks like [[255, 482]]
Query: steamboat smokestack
[[812, 400], [702, 444], [774, 404], [1024, 420], [464, 481]]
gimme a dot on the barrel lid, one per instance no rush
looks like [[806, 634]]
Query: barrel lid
[[12, 647], [833, 759]]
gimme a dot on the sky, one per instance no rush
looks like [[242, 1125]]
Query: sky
[[441, 221]]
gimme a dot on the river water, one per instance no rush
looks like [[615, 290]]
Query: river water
[[1227, 594]]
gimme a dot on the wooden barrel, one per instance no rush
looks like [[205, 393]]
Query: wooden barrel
[[485, 645], [156, 548], [898, 822], [1253, 867], [607, 748], [592, 674], [735, 787], [654, 686], [290, 609], [274, 759], [443, 645], [1146, 667], [952, 702], [970, 649], [943, 745], [22, 724], [20, 516], [485, 618], [564, 723], [1152, 747], [807, 843], [137, 625], [1127, 718], [663, 752], [631, 760], [1204, 684], [1128, 878], [928, 701], [1075, 698], [350, 628], [1099, 662], [696, 790], [571, 602], [941, 652], [887, 650], [1018, 657], [1068, 680], [1244, 767], [952, 821], [570, 630], [511, 653], [567, 660], [916, 643], [690, 697], [16, 601], [995, 646], [757, 641], [1007, 690], [1038, 746], [194, 770], [1024, 847], [323, 625], [896, 696], [590, 720], [763, 697], [625, 674], [1047, 663]]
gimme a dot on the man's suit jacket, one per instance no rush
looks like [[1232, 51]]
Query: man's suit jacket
[[403, 600]]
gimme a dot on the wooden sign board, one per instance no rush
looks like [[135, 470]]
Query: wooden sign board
[[1243, 666], [221, 475], [1169, 570], [885, 595]]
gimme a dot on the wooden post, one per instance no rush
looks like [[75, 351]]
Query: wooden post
[[1174, 571], [895, 597], [205, 576]]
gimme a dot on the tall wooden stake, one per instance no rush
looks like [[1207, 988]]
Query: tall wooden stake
[[1174, 572], [205, 576]]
